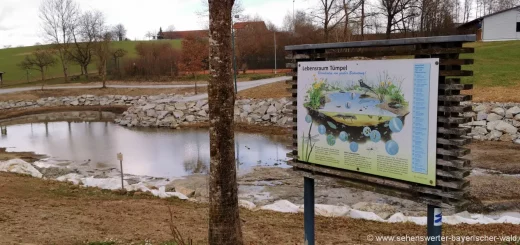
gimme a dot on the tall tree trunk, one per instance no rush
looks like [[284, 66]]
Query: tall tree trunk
[[85, 69], [43, 77], [104, 73], [388, 26], [363, 19], [224, 220]]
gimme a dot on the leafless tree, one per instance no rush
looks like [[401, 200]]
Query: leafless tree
[[150, 35], [224, 220], [85, 33], [58, 17], [103, 53], [328, 14], [119, 32], [391, 9], [467, 10], [349, 7], [39, 60]]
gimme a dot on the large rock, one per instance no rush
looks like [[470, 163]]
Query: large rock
[[511, 112], [201, 103], [477, 123], [494, 135], [499, 110], [481, 116], [266, 117], [148, 107], [168, 119], [75, 102], [178, 114], [246, 108], [479, 131], [151, 113], [481, 107], [169, 108], [202, 113], [271, 110], [262, 110], [190, 118], [506, 128], [491, 125], [159, 107], [517, 117], [180, 106], [494, 117], [162, 114]]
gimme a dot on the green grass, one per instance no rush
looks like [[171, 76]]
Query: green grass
[[496, 64], [9, 58]]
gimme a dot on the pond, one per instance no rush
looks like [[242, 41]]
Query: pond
[[149, 152]]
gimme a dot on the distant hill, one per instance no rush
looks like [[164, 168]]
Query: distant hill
[[9, 58]]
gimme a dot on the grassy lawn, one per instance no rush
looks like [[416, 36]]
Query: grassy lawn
[[496, 64], [9, 58]]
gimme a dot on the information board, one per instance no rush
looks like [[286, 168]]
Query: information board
[[377, 117]]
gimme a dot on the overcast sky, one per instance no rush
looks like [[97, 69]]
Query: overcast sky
[[20, 24]]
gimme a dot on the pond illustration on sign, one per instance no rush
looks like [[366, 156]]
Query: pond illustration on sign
[[355, 112]]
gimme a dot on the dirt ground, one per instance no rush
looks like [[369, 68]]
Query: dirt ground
[[495, 94], [39, 211], [496, 155], [272, 90]]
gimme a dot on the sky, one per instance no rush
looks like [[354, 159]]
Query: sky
[[20, 24]]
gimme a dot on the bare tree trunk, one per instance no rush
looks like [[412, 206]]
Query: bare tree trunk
[[224, 220], [43, 77], [363, 19], [85, 69], [104, 74]]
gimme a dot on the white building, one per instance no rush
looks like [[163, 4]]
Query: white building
[[500, 26]]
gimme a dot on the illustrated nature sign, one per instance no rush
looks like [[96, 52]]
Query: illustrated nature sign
[[377, 117]]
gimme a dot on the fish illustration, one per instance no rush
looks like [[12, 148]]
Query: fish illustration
[[348, 105], [332, 125], [380, 118], [370, 116]]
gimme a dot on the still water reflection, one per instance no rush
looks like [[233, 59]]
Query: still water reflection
[[151, 152]]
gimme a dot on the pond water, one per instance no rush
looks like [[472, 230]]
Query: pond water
[[350, 102], [150, 152]]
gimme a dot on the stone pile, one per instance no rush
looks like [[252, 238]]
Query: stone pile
[[83, 100], [495, 121], [169, 113]]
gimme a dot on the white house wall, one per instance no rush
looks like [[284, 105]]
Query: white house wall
[[501, 27]]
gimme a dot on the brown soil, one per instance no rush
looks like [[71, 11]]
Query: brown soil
[[38, 94], [495, 94], [500, 156], [47, 212], [272, 90], [26, 156]]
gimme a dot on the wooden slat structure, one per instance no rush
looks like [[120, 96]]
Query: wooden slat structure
[[451, 187]]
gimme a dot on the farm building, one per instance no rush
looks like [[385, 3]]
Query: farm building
[[500, 26]]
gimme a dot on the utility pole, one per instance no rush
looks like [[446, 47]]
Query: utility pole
[[275, 52], [294, 21]]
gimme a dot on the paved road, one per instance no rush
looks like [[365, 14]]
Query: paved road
[[241, 86]]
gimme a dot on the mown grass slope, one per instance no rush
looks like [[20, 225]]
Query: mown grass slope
[[10, 58], [496, 64]]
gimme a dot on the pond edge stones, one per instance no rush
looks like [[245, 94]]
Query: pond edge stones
[[267, 112]]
